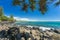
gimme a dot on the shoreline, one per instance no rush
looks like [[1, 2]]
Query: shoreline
[[22, 32], [55, 25], [43, 28]]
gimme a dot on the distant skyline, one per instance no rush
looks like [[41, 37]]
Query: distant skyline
[[53, 13]]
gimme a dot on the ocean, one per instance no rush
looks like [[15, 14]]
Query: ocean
[[55, 25]]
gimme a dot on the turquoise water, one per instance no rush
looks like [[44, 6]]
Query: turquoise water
[[44, 24]]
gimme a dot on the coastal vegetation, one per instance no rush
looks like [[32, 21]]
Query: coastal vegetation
[[5, 18]]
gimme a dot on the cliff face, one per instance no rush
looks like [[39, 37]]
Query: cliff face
[[27, 33]]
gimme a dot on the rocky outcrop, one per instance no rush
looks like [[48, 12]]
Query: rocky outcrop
[[26, 33]]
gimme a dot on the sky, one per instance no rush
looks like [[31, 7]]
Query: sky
[[52, 14]]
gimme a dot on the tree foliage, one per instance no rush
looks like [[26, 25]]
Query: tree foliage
[[1, 11], [43, 7], [11, 19], [5, 18]]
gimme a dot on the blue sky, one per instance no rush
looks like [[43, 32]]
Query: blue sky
[[53, 13]]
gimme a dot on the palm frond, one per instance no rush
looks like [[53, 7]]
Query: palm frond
[[32, 1], [32, 4], [25, 7], [42, 6], [57, 3], [32, 7], [16, 2]]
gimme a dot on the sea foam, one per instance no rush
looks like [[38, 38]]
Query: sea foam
[[45, 28], [41, 27]]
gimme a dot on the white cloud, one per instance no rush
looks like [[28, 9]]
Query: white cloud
[[27, 19], [22, 19]]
